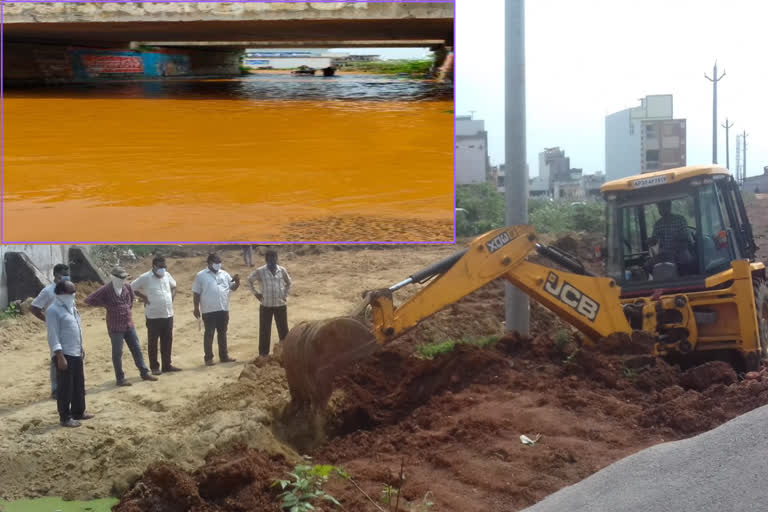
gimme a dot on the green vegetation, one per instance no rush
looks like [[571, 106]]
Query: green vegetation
[[11, 311], [244, 70], [306, 487], [484, 207], [559, 216], [51, 504], [431, 350], [392, 67]]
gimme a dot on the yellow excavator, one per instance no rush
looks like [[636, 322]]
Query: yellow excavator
[[679, 263]]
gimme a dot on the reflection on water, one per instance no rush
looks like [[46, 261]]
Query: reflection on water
[[258, 87], [244, 159]]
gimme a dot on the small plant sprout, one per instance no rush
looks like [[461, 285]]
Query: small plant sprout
[[305, 487]]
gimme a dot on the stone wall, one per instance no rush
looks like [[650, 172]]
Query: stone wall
[[53, 12]]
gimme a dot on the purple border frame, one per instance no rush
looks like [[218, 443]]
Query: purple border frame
[[2, 131]]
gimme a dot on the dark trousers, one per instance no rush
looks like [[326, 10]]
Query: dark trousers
[[265, 326], [132, 340], [159, 329], [215, 321], [70, 389]]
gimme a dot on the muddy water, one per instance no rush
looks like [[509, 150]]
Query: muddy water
[[258, 158]]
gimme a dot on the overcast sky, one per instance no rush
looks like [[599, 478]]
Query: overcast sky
[[589, 58]]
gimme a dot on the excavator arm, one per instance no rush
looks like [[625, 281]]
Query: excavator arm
[[313, 353], [589, 303]]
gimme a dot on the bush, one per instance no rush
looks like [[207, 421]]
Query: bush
[[393, 67], [559, 216], [484, 207]]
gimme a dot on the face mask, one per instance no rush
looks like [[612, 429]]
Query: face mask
[[117, 283], [160, 272], [216, 267], [66, 278], [67, 300]]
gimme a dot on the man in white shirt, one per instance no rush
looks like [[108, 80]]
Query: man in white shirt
[[274, 286], [210, 294], [65, 339], [157, 289], [41, 303]]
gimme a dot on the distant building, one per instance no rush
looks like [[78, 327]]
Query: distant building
[[356, 59], [757, 184], [292, 59], [644, 139], [553, 166], [472, 162]]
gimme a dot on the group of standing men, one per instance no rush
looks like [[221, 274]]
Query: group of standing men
[[156, 288]]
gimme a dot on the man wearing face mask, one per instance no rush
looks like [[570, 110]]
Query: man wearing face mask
[[210, 293], [65, 339], [274, 285], [117, 298], [42, 302], [157, 289]]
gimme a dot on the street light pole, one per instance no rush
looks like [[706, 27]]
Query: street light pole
[[516, 305]]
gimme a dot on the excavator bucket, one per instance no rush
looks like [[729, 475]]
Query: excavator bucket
[[313, 353]]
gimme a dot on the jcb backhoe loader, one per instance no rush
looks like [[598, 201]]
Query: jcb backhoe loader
[[707, 294]]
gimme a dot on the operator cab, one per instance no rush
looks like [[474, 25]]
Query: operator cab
[[671, 229]]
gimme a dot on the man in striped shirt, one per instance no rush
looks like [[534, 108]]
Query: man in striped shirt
[[274, 286], [117, 298]]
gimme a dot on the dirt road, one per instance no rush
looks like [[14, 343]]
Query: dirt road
[[182, 416]]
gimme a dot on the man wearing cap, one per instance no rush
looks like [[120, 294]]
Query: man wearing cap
[[65, 339], [42, 302], [117, 298], [210, 293], [156, 289]]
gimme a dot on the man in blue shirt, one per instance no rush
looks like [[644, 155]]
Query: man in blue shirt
[[43, 300], [65, 338]]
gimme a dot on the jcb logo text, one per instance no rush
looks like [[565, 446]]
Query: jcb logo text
[[567, 294]]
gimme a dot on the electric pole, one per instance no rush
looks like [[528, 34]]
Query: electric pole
[[727, 140], [714, 81], [516, 305], [744, 156]]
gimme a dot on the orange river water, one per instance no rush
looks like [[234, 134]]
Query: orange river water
[[257, 159]]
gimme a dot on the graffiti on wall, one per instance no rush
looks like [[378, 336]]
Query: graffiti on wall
[[91, 64], [96, 65]]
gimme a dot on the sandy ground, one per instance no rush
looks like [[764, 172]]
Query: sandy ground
[[181, 416]]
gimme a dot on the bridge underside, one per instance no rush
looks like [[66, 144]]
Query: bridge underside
[[110, 33], [46, 50]]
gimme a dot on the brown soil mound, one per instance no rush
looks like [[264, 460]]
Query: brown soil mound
[[240, 481]]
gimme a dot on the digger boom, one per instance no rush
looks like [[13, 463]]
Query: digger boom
[[591, 304]]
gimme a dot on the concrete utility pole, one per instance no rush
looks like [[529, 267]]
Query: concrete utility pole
[[516, 305], [744, 156], [714, 81], [727, 139]]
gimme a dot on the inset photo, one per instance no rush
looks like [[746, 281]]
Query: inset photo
[[207, 122]]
